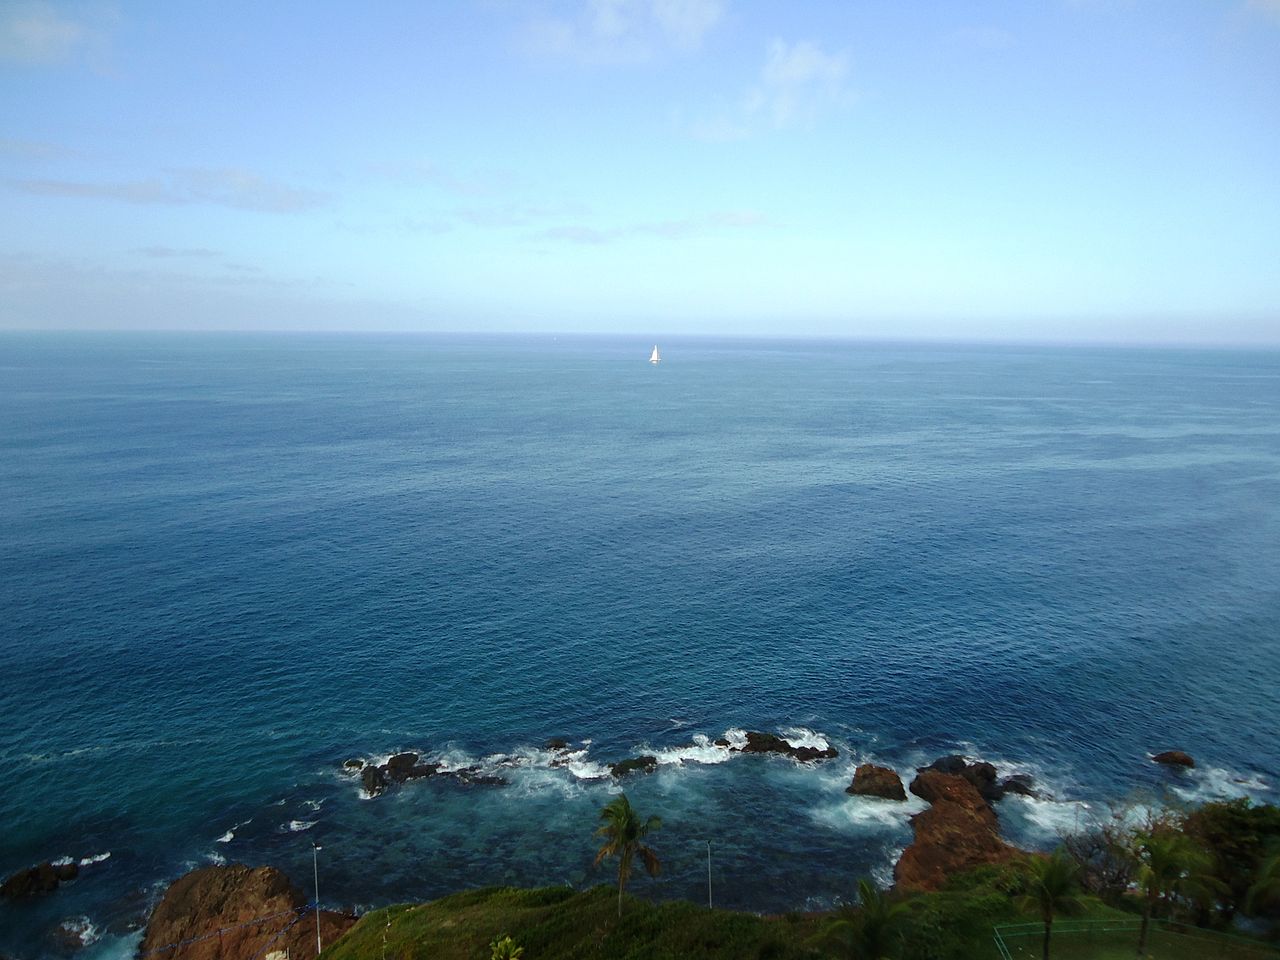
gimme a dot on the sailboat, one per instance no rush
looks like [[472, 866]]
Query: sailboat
[[653, 357]]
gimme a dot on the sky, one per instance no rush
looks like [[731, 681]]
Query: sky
[[1060, 170]]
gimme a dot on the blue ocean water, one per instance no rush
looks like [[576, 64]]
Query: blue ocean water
[[229, 563]]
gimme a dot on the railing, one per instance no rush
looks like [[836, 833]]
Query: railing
[[1230, 945]]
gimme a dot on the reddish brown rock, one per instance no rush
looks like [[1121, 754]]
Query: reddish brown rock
[[872, 781], [959, 831], [771, 743], [1174, 758], [230, 899]]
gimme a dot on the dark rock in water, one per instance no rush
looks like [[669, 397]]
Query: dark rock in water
[[374, 780], [953, 764], [959, 831], [400, 767], [227, 899], [1174, 758], [556, 743], [472, 776], [872, 781], [771, 743], [66, 871], [42, 878], [979, 773], [353, 764], [634, 765], [721, 742], [1021, 784]]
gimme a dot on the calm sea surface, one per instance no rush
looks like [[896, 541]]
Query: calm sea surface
[[227, 564]]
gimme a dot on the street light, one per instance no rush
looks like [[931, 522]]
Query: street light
[[315, 869], [709, 875]]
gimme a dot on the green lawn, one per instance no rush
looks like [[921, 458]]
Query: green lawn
[[1121, 944]]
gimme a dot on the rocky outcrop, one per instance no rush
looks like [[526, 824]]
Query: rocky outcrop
[[217, 913], [872, 781], [772, 743], [959, 831], [556, 743], [1174, 758], [634, 765], [406, 766], [983, 777], [37, 880]]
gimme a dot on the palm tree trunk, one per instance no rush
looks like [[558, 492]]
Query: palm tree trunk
[[1048, 926], [1142, 931]]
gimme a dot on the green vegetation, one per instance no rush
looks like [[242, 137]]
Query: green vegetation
[[1053, 885], [623, 830], [1140, 876]]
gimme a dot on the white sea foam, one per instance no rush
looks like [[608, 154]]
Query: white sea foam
[[313, 804], [737, 738], [226, 837], [83, 929], [701, 750], [297, 826], [803, 737], [96, 858], [216, 858], [1202, 784], [866, 814], [114, 948], [1039, 822], [63, 861]]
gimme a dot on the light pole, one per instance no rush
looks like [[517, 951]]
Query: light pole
[[708, 874], [315, 870]]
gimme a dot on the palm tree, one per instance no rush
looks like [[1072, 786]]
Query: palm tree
[[1266, 888], [868, 932], [1168, 861], [1053, 887], [623, 832]]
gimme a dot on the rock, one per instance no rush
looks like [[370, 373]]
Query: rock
[[374, 780], [634, 765], [42, 878], [556, 743], [872, 781], [771, 743], [954, 764], [721, 742], [1021, 784], [958, 831], [399, 768], [66, 872], [217, 898], [979, 773], [473, 776], [1174, 758], [353, 764]]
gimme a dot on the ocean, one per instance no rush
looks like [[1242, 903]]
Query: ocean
[[230, 563]]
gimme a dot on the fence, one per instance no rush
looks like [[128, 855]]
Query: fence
[[1107, 939]]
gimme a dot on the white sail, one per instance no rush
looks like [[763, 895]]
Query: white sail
[[653, 357]]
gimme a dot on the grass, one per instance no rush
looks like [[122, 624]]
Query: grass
[[560, 923], [563, 923]]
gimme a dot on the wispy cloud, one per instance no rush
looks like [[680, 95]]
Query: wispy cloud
[[36, 150], [982, 38], [1270, 7], [711, 223], [238, 189], [797, 82], [163, 253], [625, 31], [35, 32]]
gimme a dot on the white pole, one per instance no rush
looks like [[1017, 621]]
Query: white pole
[[315, 868], [708, 874]]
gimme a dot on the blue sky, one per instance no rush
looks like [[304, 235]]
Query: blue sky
[[1049, 170]]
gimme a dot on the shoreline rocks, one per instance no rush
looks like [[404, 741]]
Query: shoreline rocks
[[870, 780], [1174, 758], [622, 768], [984, 778], [38, 880], [205, 901], [959, 831], [403, 767], [772, 743]]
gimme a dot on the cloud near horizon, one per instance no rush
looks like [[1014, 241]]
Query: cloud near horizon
[[237, 189], [668, 229]]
